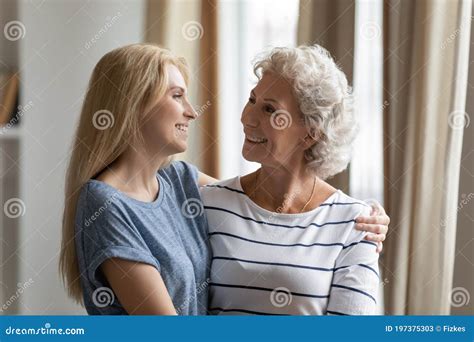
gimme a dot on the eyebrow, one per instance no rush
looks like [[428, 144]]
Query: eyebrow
[[266, 99], [178, 87]]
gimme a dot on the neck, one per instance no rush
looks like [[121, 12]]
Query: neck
[[134, 173], [284, 190]]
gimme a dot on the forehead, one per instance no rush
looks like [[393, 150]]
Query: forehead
[[175, 78], [273, 85]]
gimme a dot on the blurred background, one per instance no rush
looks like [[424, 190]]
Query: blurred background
[[411, 64]]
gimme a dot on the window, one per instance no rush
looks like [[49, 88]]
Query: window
[[366, 172], [247, 28]]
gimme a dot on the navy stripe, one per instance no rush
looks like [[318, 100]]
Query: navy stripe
[[245, 311], [336, 313], [362, 241], [344, 203], [276, 264], [368, 242], [266, 289], [355, 290], [370, 268], [321, 205], [362, 265], [280, 244], [224, 187], [291, 245], [294, 265], [275, 224]]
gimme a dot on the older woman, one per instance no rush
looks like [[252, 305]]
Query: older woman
[[283, 239]]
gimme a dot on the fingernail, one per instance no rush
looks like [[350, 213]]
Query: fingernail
[[359, 226]]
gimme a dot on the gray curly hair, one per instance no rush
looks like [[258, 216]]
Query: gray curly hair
[[325, 101]]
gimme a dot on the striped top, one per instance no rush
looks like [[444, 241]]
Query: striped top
[[312, 263]]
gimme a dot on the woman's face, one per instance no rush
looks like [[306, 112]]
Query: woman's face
[[166, 128], [273, 125]]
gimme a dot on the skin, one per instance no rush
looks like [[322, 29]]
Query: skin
[[283, 166], [134, 173]]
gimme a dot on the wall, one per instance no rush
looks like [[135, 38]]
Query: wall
[[57, 55]]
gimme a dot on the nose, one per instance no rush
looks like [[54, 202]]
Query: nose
[[249, 118], [189, 111]]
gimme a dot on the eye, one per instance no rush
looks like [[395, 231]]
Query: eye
[[269, 109], [177, 96]]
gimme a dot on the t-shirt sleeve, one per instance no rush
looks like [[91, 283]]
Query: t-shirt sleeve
[[356, 276], [109, 233]]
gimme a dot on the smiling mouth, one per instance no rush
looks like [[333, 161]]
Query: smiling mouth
[[182, 128], [255, 140]]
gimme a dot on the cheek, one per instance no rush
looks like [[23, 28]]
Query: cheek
[[285, 142], [159, 126]]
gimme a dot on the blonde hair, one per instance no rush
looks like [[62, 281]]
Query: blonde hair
[[124, 84]]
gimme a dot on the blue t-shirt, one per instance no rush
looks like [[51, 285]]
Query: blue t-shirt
[[169, 233]]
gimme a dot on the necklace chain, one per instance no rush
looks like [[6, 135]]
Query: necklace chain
[[306, 204]]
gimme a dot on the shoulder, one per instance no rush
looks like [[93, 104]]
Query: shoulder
[[225, 188], [179, 170], [342, 204], [96, 192], [99, 200], [341, 211]]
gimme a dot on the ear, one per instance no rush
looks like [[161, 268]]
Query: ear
[[308, 141]]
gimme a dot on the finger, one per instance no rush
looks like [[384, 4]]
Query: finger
[[372, 228], [376, 207], [375, 237], [380, 219], [379, 247]]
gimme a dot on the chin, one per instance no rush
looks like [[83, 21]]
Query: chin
[[249, 156], [182, 148], [175, 148]]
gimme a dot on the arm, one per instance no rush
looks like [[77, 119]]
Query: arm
[[376, 224], [355, 280], [149, 295], [204, 179]]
